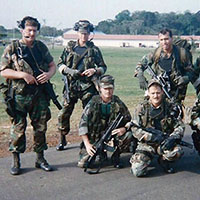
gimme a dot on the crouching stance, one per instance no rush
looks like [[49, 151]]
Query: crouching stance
[[99, 113], [158, 129]]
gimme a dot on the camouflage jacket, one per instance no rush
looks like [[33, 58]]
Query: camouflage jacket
[[92, 59], [181, 67], [11, 60], [195, 110], [146, 116], [92, 122]]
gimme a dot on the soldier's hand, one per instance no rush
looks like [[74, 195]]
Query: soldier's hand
[[119, 131], [29, 78], [182, 80], [89, 72], [168, 143], [90, 149], [142, 81], [43, 78]]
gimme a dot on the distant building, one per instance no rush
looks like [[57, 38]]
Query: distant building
[[105, 40]]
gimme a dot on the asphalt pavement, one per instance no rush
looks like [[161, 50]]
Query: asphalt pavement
[[68, 182]]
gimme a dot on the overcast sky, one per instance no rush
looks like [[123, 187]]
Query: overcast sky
[[64, 13]]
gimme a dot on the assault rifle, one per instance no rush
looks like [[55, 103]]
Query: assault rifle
[[165, 87], [100, 145], [161, 80], [157, 132], [47, 87], [66, 91]]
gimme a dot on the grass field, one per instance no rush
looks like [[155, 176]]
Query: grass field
[[121, 64]]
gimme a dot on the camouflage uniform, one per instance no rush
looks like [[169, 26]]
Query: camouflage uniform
[[179, 74], [29, 100], [160, 118], [95, 120], [195, 112], [80, 87], [195, 124]]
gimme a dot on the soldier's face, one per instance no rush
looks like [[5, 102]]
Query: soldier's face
[[165, 42], [83, 37], [106, 94], [155, 95], [29, 33]]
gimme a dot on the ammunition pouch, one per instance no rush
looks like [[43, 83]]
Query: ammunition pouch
[[8, 96]]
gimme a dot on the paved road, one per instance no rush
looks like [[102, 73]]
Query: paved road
[[69, 182]]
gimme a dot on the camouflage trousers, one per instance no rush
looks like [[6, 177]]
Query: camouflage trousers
[[145, 154], [67, 110], [123, 141], [39, 114]]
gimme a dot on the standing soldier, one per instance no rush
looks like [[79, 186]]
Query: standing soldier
[[81, 63], [99, 113], [20, 60], [171, 62], [158, 130]]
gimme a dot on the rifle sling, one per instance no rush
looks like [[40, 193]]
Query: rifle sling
[[81, 58]]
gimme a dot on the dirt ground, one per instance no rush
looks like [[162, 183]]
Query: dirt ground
[[52, 140]]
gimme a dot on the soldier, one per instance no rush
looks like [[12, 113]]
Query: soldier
[[195, 113], [20, 60], [157, 128], [101, 110], [81, 63], [172, 62]]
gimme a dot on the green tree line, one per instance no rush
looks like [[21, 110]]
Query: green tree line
[[144, 23]]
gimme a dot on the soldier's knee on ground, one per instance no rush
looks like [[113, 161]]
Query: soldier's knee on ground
[[139, 163]]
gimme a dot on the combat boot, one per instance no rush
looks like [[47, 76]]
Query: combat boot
[[165, 164], [42, 163], [115, 158], [62, 144], [15, 169]]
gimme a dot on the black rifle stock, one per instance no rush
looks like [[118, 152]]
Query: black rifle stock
[[48, 89], [100, 145]]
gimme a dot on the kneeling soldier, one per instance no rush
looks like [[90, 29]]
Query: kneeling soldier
[[99, 113], [158, 129]]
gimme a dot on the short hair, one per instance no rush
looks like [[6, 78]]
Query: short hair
[[165, 31], [28, 20]]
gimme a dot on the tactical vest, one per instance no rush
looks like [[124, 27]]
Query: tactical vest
[[180, 59], [19, 64], [177, 70], [147, 121], [72, 60], [96, 125]]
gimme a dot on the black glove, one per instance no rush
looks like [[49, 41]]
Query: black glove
[[182, 80], [168, 143], [142, 81]]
